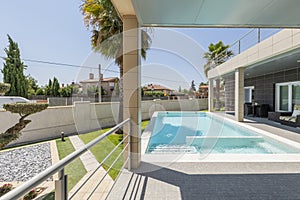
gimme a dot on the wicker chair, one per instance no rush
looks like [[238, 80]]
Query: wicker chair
[[287, 118]]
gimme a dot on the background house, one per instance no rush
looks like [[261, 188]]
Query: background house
[[108, 84], [203, 91], [158, 88]]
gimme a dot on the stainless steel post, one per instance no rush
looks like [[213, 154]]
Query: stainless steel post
[[61, 186], [129, 145]]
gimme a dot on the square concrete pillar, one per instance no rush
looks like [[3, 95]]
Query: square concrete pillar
[[131, 85], [210, 95], [239, 94]]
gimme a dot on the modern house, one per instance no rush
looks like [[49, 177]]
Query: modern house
[[267, 73], [108, 84], [270, 73]]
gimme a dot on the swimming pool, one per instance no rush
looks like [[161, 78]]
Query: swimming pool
[[203, 133]]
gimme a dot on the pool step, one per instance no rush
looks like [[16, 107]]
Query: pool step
[[224, 141], [173, 149]]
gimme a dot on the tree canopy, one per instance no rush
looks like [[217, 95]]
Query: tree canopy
[[13, 71], [32, 86], [217, 54], [53, 88], [25, 109], [193, 86], [106, 25]]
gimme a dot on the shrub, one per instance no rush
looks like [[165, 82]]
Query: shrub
[[31, 195], [40, 91], [5, 189], [25, 109], [4, 87]]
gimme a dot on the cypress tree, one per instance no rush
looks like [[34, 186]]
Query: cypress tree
[[13, 71], [55, 87], [49, 88]]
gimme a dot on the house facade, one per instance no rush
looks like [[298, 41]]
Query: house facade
[[108, 84], [158, 88], [203, 91], [266, 74]]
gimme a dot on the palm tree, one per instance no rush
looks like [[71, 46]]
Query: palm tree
[[106, 25], [217, 54]]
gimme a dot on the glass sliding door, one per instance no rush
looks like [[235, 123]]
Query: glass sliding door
[[287, 95], [248, 94], [296, 95], [284, 98]]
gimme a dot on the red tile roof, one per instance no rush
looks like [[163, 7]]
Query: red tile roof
[[157, 87]]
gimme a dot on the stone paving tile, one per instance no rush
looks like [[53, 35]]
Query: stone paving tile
[[88, 159], [174, 184], [91, 164]]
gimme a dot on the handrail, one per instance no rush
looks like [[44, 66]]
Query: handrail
[[99, 182], [100, 165], [41, 177], [237, 41]]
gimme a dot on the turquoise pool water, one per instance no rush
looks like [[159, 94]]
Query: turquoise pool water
[[199, 132]]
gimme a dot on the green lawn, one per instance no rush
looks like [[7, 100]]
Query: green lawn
[[75, 170], [103, 148], [144, 124]]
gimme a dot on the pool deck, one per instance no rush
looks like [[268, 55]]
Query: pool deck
[[155, 179]]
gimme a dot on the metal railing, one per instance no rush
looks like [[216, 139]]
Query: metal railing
[[61, 191], [251, 38], [248, 40]]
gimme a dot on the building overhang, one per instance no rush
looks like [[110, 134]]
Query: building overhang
[[212, 13]]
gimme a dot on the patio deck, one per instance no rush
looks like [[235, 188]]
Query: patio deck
[[215, 180]]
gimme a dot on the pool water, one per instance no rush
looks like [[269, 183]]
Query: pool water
[[200, 132]]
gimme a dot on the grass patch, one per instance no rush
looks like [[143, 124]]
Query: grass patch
[[103, 148], [144, 125], [75, 170]]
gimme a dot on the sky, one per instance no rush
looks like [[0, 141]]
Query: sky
[[53, 31]]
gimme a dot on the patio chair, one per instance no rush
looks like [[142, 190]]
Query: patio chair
[[262, 111], [248, 109], [292, 120]]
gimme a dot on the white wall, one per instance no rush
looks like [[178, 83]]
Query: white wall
[[85, 116]]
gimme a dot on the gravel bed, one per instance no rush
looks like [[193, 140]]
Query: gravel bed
[[23, 163]]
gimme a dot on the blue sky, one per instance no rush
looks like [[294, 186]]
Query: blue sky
[[54, 31]]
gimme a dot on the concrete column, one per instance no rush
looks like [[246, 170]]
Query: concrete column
[[210, 95], [131, 85], [239, 94]]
